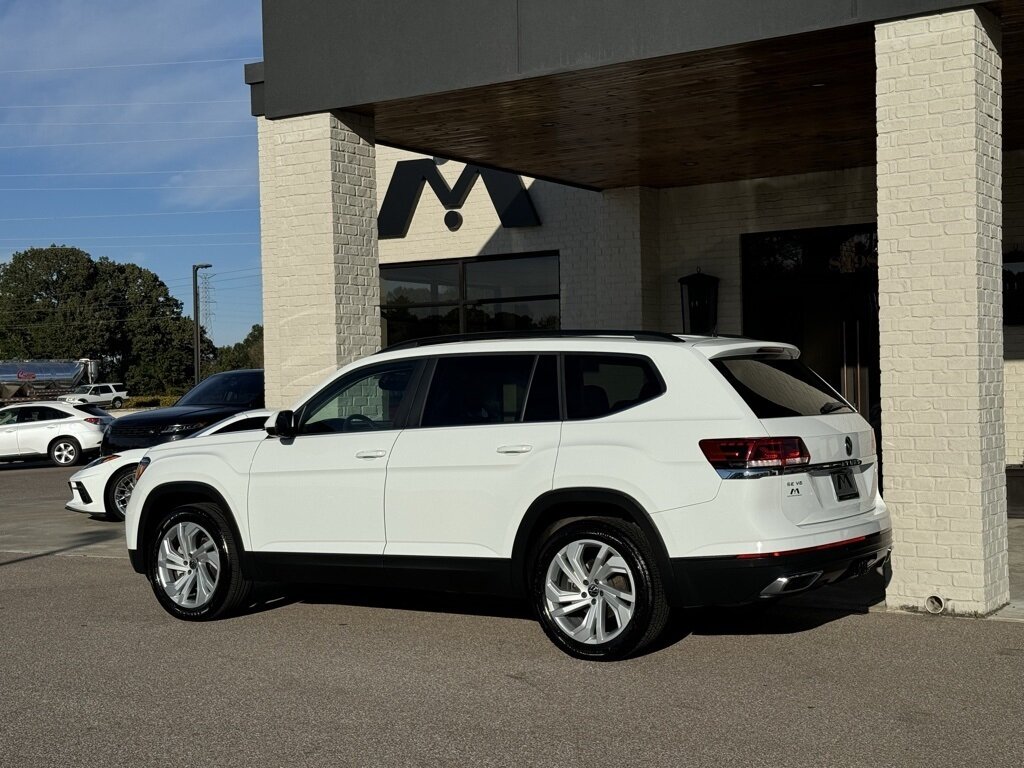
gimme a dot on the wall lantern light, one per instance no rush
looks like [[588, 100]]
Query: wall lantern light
[[698, 294]]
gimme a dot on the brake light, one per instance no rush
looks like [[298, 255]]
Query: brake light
[[92, 420], [755, 452]]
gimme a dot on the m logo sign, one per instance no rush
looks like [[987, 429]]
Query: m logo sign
[[508, 195]]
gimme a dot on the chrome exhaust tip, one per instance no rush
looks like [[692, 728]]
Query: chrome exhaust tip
[[787, 585]]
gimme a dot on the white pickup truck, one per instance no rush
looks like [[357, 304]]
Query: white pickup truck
[[113, 394]]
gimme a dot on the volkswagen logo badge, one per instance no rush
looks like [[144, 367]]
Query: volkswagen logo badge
[[849, 447]]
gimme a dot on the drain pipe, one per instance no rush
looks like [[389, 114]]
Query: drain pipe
[[934, 604]]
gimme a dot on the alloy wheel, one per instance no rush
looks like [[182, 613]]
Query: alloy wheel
[[123, 492], [188, 565], [589, 591], [65, 453]]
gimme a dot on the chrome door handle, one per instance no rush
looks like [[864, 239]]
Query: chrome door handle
[[371, 454], [515, 448]]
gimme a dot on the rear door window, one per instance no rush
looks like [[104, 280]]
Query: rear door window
[[478, 389], [776, 389], [599, 385]]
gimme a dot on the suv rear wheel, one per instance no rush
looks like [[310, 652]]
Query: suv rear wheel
[[597, 590], [65, 451], [194, 564]]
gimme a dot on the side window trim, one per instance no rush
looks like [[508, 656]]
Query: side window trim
[[336, 386], [521, 416]]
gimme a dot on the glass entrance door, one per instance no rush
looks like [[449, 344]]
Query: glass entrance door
[[818, 289]]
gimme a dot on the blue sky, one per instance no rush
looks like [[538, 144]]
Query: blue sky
[[133, 179]]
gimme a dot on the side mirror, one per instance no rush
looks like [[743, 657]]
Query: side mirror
[[281, 424]]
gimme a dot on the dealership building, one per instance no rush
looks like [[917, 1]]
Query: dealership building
[[849, 172]]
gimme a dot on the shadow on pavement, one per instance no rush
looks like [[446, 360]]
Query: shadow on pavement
[[410, 600], [792, 615], [79, 540], [33, 464]]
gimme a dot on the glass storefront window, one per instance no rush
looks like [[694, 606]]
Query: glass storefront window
[[531, 276], [419, 284], [514, 293]]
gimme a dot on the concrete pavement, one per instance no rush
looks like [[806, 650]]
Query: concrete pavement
[[93, 672]]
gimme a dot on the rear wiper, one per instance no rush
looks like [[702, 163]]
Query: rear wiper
[[833, 407]]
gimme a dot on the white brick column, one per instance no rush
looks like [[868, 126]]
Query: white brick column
[[621, 281], [318, 229], [939, 120]]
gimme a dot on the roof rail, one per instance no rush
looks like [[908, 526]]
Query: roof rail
[[537, 334]]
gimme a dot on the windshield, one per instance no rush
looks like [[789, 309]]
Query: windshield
[[80, 391], [242, 390]]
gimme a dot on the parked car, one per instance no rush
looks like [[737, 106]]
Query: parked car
[[606, 478], [113, 394], [104, 486], [64, 432], [214, 398]]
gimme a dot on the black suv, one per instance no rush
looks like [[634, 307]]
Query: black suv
[[215, 398]]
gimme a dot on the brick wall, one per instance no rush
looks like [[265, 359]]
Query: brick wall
[[318, 233], [939, 172], [596, 236]]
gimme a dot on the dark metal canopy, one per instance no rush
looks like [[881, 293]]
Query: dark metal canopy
[[600, 93]]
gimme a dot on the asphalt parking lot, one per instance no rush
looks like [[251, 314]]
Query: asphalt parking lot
[[92, 672]]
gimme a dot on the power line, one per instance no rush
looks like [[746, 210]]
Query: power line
[[121, 237], [125, 66], [136, 123], [130, 215], [122, 104], [127, 141], [121, 189], [175, 245], [123, 173]]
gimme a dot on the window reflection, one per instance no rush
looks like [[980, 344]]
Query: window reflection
[[517, 293]]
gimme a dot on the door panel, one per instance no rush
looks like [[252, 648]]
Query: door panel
[[459, 485], [37, 427], [462, 491], [9, 433], [315, 494], [323, 490]]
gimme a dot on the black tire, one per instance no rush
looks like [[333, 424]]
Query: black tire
[[232, 589], [111, 491], [650, 609], [117, 402], [65, 452]]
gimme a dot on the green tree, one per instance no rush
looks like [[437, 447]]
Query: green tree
[[59, 302], [248, 353]]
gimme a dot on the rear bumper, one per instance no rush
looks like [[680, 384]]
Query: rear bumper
[[733, 581]]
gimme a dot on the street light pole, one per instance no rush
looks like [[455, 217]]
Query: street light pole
[[197, 337]]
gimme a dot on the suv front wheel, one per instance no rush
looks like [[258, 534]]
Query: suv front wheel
[[597, 590], [194, 564]]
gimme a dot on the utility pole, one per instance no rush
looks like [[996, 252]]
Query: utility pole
[[197, 338]]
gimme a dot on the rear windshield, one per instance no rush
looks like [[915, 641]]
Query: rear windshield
[[242, 389], [92, 410], [776, 389]]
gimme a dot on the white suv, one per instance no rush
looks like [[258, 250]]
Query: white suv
[[606, 477], [62, 431], [113, 394]]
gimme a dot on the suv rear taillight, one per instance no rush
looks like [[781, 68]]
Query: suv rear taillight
[[756, 452]]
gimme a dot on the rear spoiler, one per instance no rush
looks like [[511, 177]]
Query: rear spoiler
[[767, 351]]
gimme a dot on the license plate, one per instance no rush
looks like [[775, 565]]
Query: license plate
[[846, 488]]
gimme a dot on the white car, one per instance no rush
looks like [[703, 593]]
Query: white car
[[606, 477], [104, 486], [62, 431], [113, 394]]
